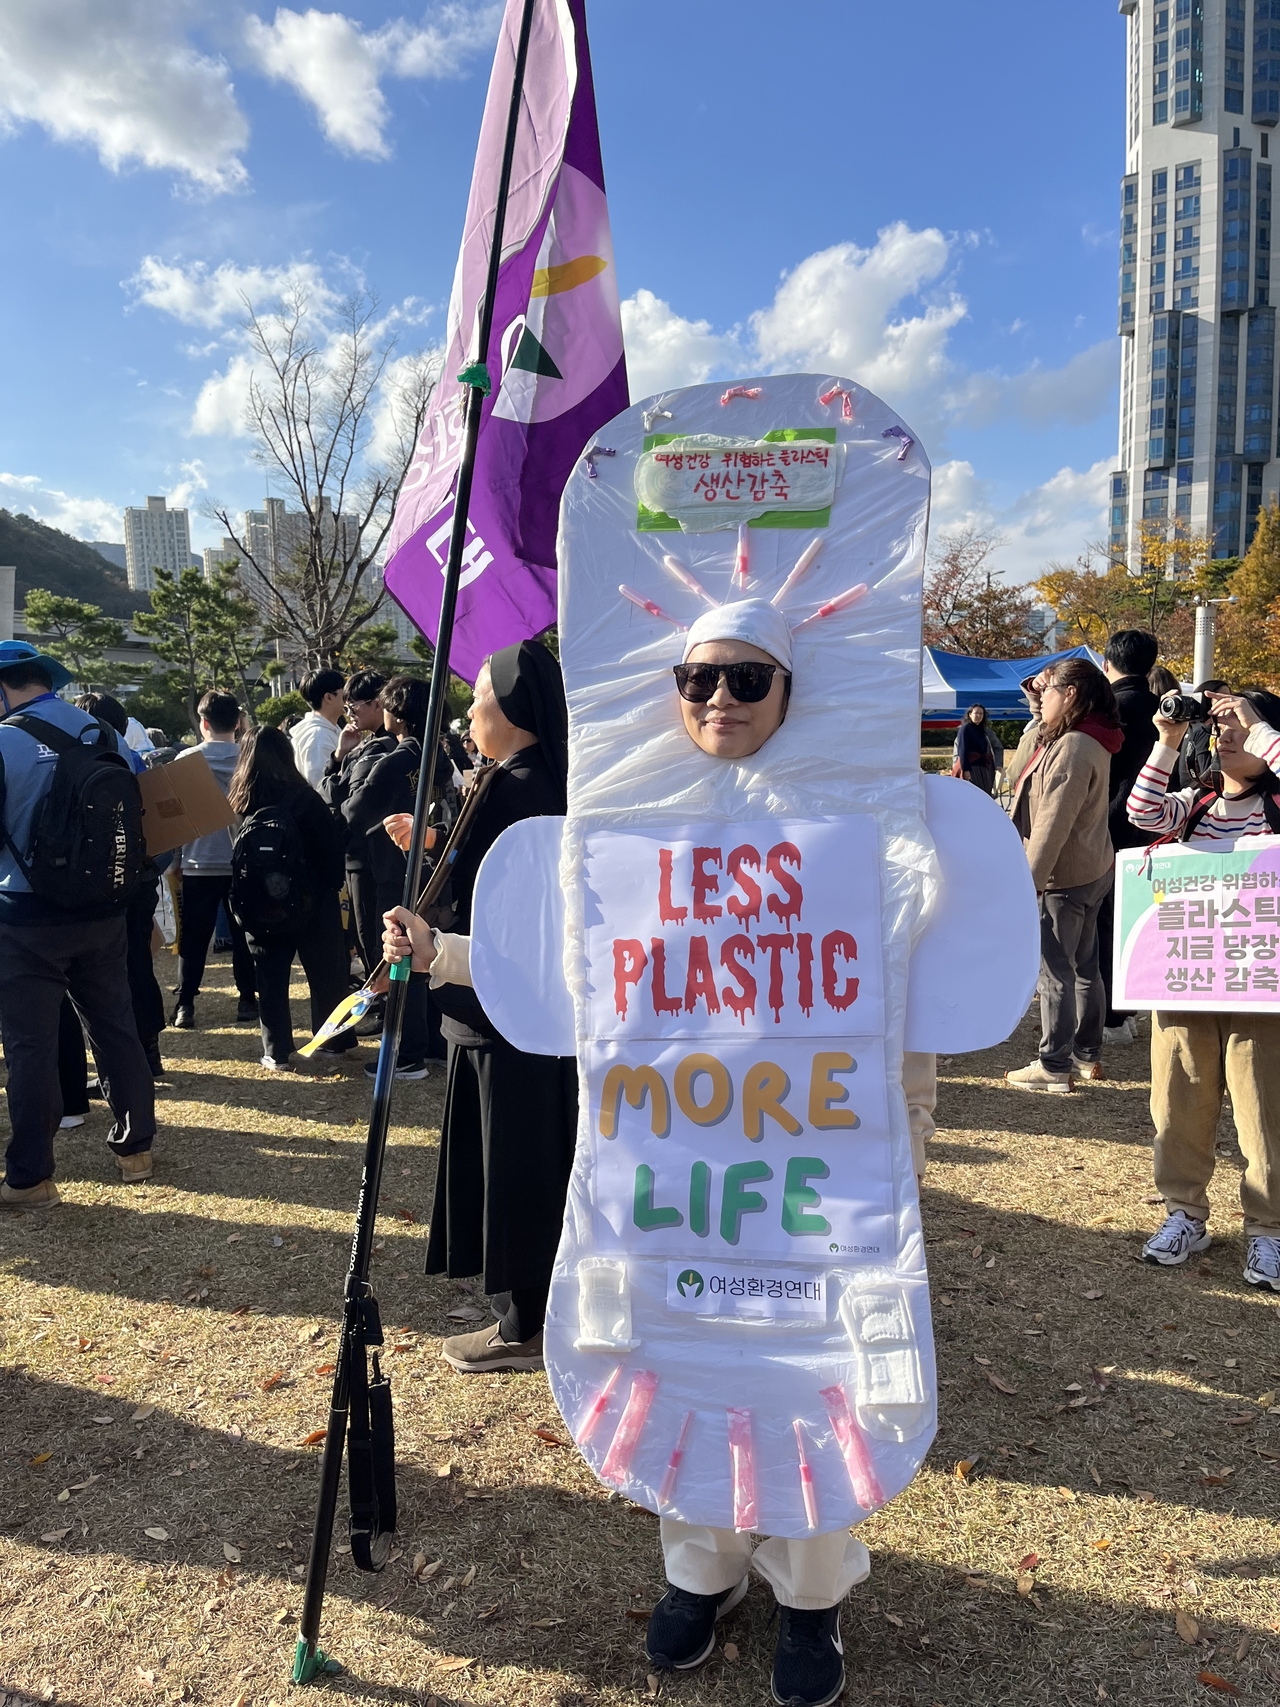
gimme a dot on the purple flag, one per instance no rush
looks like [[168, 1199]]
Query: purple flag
[[556, 343]]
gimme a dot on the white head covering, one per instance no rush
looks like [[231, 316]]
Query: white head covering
[[753, 620]]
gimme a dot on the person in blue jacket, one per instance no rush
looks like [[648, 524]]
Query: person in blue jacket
[[46, 954]]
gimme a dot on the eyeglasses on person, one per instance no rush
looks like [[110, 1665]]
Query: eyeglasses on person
[[747, 683]]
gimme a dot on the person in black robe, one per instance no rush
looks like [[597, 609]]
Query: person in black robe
[[510, 1119]]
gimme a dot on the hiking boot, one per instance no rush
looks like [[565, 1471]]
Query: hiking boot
[[682, 1626], [1178, 1239], [184, 1017], [42, 1196], [69, 1121], [486, 1352], [134, 1168], [1087, 1070], [247, 1010], [808, 1665], [1262, 1263], [1038, 1077]]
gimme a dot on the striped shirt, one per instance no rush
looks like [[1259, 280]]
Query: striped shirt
[[1153, 808]]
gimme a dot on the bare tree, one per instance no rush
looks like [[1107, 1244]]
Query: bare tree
[[967, 608], [336, 419]]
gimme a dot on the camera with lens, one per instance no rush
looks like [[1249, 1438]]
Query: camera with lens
[[1185, 708]]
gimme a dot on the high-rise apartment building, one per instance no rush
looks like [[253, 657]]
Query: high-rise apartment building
[[1198, 328], [155, 538]]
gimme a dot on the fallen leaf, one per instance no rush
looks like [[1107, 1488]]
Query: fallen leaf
[[1102, 1543], [1186, 1626], [148, 1677], [234, 1238], [428, 1571], [550, 1436], [325, 1368], [1145, 1495], [546, 1623], [468, 1579], [1029, 1563], [104, 1421], [283, 1616], [273, 1381], [465, 1313], [1066, 1493], [984, 1361], [1243, 1646], [1097, 1479], [1211, 1680], [1075, 1387], [1000, 1385], [1093, 1295], [231, 1554], [653, 1685], [142, 1413], [444, 1469], [731, 1652], [315, 1437], [56, 1534], [965, 1468], [64, 1496], [157, 1534], [39, 1459], [892, 1618], [455, 1665], [1024, 1584], [406, 1215]]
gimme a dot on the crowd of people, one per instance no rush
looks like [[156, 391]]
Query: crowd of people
[[324, 811]]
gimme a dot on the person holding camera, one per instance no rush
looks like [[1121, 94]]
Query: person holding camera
[[1062, 783], [1196, 1056]]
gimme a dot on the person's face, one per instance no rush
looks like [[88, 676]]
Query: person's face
[[1239, 765], [1055, 702], [495, 735], [331, 705], [977, 714], [364, 713], [724, 727]]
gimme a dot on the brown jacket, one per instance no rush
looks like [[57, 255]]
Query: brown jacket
[[1060, 808]]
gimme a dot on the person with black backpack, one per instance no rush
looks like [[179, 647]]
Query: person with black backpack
[[71, 857], [287, 862], [1196, 1056]]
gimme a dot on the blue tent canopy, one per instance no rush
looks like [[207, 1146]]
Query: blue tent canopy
[[954, 682]]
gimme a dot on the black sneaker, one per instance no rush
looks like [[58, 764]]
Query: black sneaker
[[682, 1626], [406, 1070], [808, 1666], [184, 1017], [247, 1010]]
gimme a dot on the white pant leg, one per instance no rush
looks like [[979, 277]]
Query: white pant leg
[[920, 1088], [815, 1572], [808, 1574], [702, 1560]]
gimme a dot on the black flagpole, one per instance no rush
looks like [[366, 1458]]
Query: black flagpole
[[309, 1660]]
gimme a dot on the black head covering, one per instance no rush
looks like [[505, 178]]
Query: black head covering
[[529, 689]]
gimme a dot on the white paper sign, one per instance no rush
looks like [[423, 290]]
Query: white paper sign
[[704, 482], [745, 1148], [735, 930]]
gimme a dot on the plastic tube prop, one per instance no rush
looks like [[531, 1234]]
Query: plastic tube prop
[[590, 459], [904, 435], [846, 406], [672, 1472], [359, 1314], [742, 1460], [853, 1449], [596, 1409], [802, 563], [648, 605], [742, 561], [841, 602], [617, 1464], [806, 1470], [674, 567], [740, 391]]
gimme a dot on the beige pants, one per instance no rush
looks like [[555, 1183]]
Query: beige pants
[[920, 1087], [810, 1574], [1194, 1057]]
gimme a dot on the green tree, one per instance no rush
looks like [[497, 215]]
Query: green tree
[[1248, 650], [376, 646], [78, 635], [207, 632]]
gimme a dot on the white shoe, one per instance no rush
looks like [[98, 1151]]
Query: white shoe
[[1087, 1069], [1037, 1077], [1117, 1034], [274, 1066], [1262, 1264], [1179, 1238], [70, 1120]]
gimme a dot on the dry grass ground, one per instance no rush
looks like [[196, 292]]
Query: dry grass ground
[[164, 1353]]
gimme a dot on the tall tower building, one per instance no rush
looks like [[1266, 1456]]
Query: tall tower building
[[1198, 329], [155, 538]]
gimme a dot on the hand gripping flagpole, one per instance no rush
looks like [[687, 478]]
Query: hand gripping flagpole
[[374, 1527]]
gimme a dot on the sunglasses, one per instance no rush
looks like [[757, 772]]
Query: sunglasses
[[747, 683]]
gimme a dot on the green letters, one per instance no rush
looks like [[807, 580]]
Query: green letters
[[700, 1199], [736, 1203], [647, 1216], [797, 1196]]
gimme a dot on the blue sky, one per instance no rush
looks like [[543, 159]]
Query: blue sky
[[922, 195]]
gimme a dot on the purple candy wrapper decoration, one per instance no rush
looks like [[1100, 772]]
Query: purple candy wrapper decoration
[[590, 459], [904, 435], [555, 354]]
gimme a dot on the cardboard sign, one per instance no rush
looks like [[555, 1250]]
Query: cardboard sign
[[181, 802], [1199, 928]]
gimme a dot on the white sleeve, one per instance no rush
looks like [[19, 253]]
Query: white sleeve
[[452, 964]]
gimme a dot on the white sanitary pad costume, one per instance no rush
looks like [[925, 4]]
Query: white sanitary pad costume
[[738, 1333]]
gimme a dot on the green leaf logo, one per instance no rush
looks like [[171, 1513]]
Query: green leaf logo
[[690, 1284]]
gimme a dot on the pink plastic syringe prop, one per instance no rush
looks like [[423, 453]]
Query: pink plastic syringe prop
[[668, 1487], [742, 1457], [806, 558], [806, 1478], [853, 1449], [840, 602], [742, 561], [596, 1409], [674, 567], [622, 1449], [648, 604]]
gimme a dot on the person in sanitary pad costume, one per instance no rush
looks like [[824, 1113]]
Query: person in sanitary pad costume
[[722, 932]]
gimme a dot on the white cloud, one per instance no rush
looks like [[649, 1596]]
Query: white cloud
[[664, 350], [1052, 522], [338, 66], [220, 407], [192, 482], [120, 76], [883, 315], [86, 518], [199, 296]]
